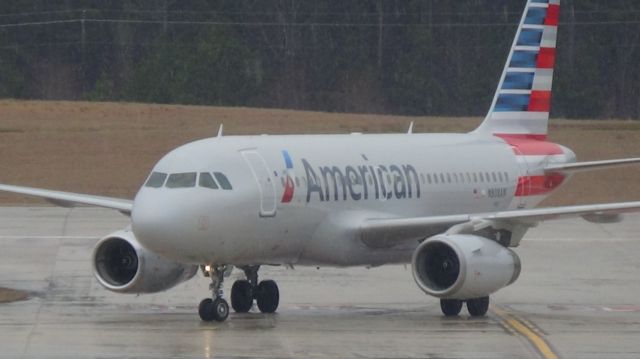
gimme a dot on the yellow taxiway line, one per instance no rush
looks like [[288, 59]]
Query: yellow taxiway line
[[526, 330]]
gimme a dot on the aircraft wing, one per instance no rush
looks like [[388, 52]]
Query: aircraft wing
[[385, 232], [590, 166], [68, 199]]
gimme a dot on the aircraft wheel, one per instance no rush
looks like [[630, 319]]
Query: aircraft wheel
[[220, 310], [213, 309], [205, 309], [478, 307], [267, 296], [450, 307], [241, 296]]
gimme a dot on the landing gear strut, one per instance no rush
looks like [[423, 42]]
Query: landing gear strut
[[245, 291], [477, 307], [215, 308]]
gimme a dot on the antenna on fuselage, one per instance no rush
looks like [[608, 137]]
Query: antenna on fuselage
[[410, 131], [220, 130]]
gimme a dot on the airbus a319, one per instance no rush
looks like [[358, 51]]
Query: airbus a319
[[452, 205]]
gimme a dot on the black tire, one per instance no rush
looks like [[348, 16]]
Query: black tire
[[478, 307], [267, 296], [450, 307], [241, 296], [220, 310], [205, 309]]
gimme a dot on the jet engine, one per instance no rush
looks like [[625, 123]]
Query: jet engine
[[122, 265], [463, 266]]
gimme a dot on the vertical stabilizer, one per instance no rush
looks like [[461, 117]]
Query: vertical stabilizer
[[522, 101]]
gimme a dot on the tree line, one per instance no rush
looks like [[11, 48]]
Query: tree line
[[416, 57]]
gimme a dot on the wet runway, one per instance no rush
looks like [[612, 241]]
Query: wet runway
[[578, 297]]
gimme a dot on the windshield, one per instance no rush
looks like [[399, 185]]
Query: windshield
[[182, 180], [156, 180]]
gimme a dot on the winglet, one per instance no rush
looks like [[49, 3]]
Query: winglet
[[220, 130], [410, 130]]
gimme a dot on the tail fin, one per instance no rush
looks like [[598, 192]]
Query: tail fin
[[522, 101]]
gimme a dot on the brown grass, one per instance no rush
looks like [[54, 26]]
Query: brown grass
[[109, 148], [11, 295]]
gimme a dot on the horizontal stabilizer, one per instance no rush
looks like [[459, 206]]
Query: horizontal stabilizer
[[591, 166]]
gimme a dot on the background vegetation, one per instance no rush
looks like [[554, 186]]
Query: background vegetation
[[421, 57]]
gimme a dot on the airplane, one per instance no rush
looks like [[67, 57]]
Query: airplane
[[451, 205]]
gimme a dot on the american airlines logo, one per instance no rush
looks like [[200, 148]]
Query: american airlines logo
[[289, 188], [355, 182]]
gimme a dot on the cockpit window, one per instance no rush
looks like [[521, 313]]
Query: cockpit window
[[222, 179], [207, 181], [182, 180], [156, 180]]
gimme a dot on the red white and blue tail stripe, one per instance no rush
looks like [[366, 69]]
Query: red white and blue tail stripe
[[522, 101]]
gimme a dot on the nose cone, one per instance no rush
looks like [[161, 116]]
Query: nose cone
[[157, 222]]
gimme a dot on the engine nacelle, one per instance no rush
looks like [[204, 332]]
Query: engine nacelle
[[122, 265], [463, 266]]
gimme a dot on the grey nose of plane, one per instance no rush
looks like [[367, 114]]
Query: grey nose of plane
[[154, 222]]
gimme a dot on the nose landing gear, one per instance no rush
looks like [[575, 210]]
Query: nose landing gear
[[215, 308], [244, 292]]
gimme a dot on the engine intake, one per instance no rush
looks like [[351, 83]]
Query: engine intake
[[122, 265], [463, 266]]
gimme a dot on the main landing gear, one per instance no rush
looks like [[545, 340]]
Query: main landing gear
[[477, 307], [243, 293]]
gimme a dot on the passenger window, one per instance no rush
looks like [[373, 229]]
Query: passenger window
[[207, 181], [297, 182], [435, 178], [428, 178], [156, 180], [500, 177], [448, 177], [422, 178], [182, 180], [481, 177], [506, 176], [441, 178], [493, 175], [222, 179]]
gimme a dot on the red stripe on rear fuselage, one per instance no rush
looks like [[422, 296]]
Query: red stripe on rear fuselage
[[531, 145], [538, 185]]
